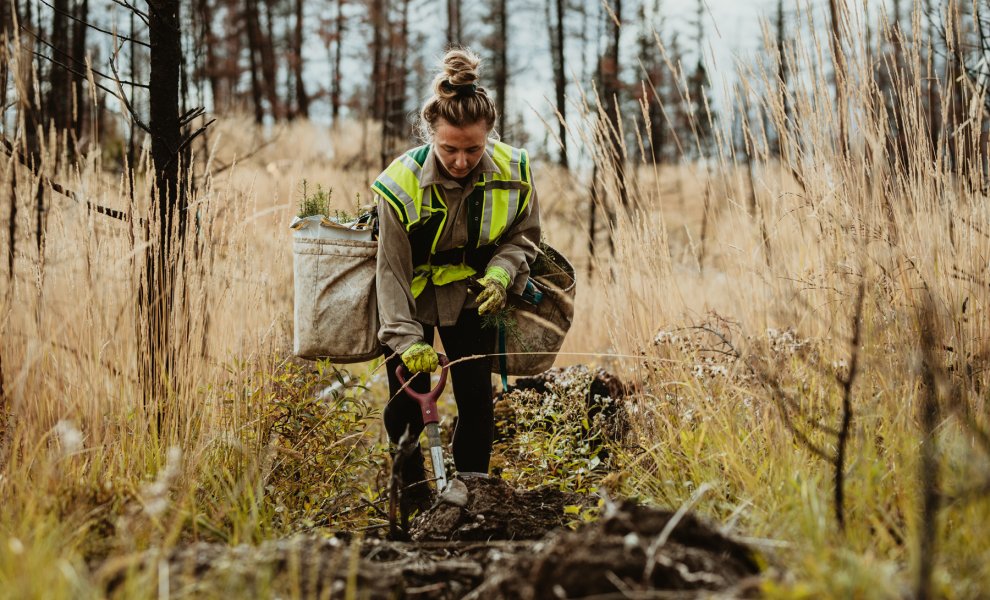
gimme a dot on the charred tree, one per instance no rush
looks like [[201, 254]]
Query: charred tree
[[253, 31], [698, 85], [394, 118], [208, 42], [79, 82], [269, 67], [302, 99], [556, 12], [500, 59], [454, 22], [378, 16], [611, 86], [653, 71], [337, 56], [57, 106], [783, 73], [169, 207]]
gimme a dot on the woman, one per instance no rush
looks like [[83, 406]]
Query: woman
[[460, 207]]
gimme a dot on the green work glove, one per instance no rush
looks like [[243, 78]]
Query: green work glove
[[420, 358], [492, 298]]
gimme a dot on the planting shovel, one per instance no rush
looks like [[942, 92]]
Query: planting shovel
[[431, 417]]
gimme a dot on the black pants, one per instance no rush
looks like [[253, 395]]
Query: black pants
[[472, 383]]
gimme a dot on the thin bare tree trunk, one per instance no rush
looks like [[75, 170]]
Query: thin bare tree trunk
[[302, 99], [58, 110], [335, 84], [79, 82], [380, 26], [783, 72], [500, 62], [170, 210], [611, 90], [454, 22], [253, 30], [268, 66], [208, 41], [555, 23]]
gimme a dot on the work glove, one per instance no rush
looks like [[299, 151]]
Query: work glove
[[420, 358], [492, 298]]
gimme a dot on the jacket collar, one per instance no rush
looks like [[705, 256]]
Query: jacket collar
[[433, 175]]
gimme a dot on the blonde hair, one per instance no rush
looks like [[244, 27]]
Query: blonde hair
[[457, 97]]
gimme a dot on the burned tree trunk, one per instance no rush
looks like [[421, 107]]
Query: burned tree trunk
[[611, 89], [454, 22], [268, 66], [169, 212], [58, 110], [335, 84], [556, 26], [783, 73], [253, 31], [500, 59], [79, 82], [302, 99], [337, 56], [208, 41], [378, 15]]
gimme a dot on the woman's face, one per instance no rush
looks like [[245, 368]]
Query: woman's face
[[459, 148]]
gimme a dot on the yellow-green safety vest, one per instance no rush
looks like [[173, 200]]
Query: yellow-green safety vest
[[493, 206]]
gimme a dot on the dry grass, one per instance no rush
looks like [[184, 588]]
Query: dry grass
[[85, 477]]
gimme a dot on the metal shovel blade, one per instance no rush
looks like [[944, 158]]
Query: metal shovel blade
[[436, 455]]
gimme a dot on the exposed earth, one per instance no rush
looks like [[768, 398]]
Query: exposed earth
[[484, 540]]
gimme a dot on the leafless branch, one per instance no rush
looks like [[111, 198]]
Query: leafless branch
[[78, 63], [123, 97], [73, 71], [141, 14], [191, 114], [185, 143], [94, 27]]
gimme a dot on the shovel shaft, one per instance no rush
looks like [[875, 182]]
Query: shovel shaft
[[436, 454]]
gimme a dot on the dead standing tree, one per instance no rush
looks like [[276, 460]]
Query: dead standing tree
[[611, 160], [454, 31], [556, 12], [166, 228], [499, 44]]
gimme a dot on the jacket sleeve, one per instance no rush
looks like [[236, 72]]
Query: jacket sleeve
[[519, 246], [393, 277]]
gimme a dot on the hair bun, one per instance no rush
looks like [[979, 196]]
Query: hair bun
[[460, 74]]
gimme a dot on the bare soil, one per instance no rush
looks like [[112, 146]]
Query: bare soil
[[488, 541], [502, 544]]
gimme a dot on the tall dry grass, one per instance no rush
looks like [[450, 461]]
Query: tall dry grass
[[722, 311]]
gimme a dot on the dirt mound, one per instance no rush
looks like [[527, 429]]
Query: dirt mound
[[496, 511], [635, 549], [632, 552]]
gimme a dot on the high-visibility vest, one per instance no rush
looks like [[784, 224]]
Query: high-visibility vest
[[498, 199]]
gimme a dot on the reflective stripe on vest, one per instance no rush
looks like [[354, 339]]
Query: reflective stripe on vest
[[505, 195]]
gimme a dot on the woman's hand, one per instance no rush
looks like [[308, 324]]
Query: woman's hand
[[492, 298], [420, 358]]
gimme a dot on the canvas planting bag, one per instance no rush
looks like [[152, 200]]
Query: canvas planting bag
[[534, 333], [336, 309]]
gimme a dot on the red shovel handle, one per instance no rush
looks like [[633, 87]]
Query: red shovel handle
[[428, 401]]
